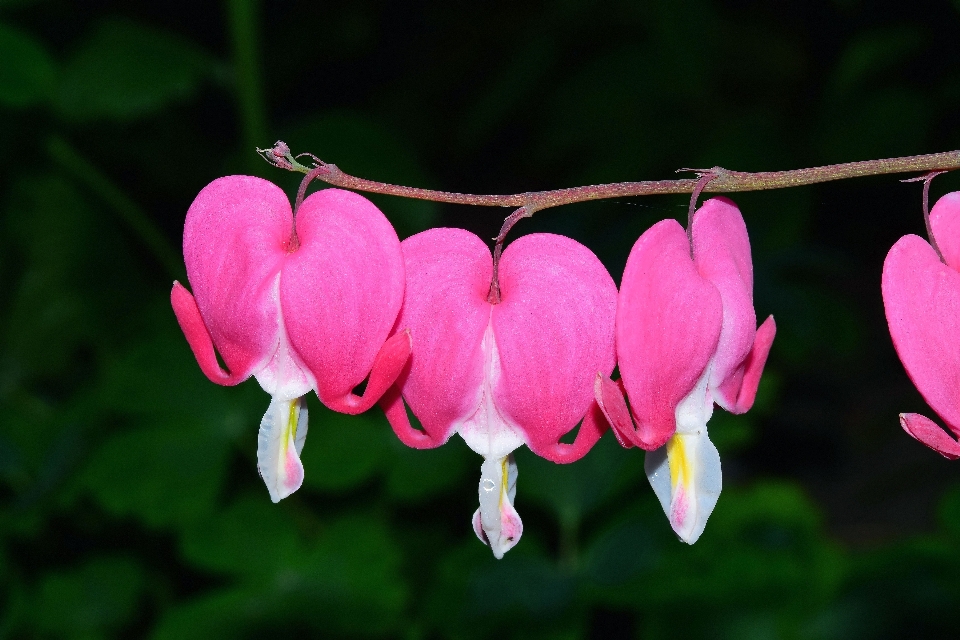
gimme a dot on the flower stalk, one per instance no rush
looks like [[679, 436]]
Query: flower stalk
[[722, 180]]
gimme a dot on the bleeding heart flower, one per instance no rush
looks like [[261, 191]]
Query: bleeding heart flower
[[300, 303], [501, 375], [686, 337], [921, 297]]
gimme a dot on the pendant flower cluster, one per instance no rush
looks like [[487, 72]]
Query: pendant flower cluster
[[326, 297]]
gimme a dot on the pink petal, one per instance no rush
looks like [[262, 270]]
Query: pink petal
[[929, 433], [739, 390], [188, 316], [609, 397], [721, 251], [554, 329], [945, 222], [340, 293], [668, 326], [921, 298], [446, 311], [234, 243]]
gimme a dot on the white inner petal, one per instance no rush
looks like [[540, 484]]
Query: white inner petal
[[487, 431], [283, 376]]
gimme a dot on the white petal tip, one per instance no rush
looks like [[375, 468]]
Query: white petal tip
[[685, 475], [279, 444]]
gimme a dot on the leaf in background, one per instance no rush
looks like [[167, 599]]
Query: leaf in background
[[68, 298], [521, 583], [96, 598], [948, 511], [572, 490], [343, 451], [764, 546], [353, 575], [164, 475], [730, 433], [27, 75], [345, 582], [622, 552], [126, 70], [157, 380], [362, 147], [414, 475], [251, 537]]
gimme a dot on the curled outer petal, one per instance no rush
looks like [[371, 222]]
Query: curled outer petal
[[931, 434]]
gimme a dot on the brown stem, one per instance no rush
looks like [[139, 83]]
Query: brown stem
[[294, 243], [523, 212], [725, 181]]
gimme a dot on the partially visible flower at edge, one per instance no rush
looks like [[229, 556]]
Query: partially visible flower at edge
[[686, 338], [921, 299], [300, 304]]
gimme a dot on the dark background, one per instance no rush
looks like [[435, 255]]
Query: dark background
[[130, 505]]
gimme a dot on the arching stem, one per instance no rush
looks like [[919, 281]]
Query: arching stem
[[927, 178], [523, 212], [705, 177]]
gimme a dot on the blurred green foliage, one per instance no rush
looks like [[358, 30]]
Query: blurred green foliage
[[130, 505]]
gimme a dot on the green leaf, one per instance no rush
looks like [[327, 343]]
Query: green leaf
[[164, 475], [347, 581], [572, 490], [27, 75], [622, 552], [353, 573], [101, 595], [764, 545], [251, 537], [365, 148], [415, 475], [949, 510], [343, 451], [126, 70], [730, 433], [519, 583], [158, 380]]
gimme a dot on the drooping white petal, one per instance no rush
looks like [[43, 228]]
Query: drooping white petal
[[490, 434], [496, 522], [283, 431], [487, 431], [283, 374], [685, 475]]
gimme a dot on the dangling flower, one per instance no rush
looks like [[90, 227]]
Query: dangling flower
[[686, 337], [299, 303], [921, 298], [503, 374]]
